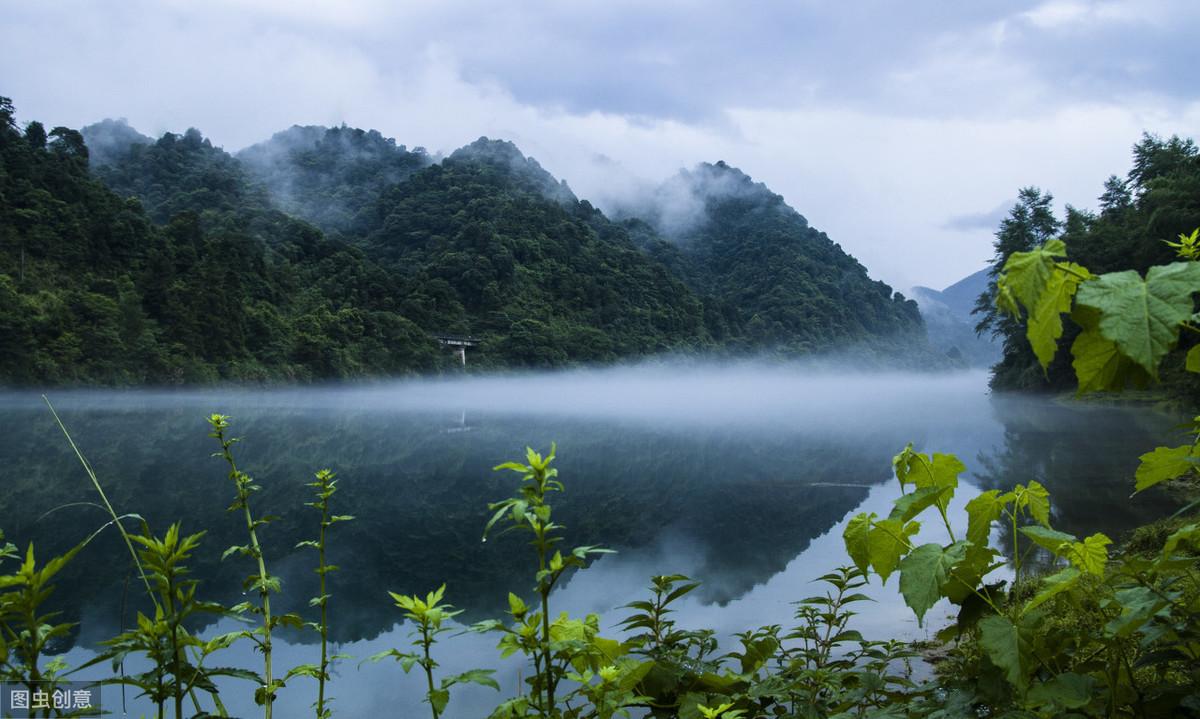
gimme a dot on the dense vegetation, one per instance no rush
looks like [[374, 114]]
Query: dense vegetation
[[332, 253], [1157, 201], [767, 277], [1081, 631], [93, 290]]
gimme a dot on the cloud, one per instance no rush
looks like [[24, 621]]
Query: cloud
[[877, 122], [971, 221]]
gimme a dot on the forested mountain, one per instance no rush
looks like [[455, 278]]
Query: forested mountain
[[93, 290], [335, 252], [330, 176], [769, 280], [1157, 200]]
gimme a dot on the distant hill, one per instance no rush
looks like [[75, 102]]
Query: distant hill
[[950, 324]]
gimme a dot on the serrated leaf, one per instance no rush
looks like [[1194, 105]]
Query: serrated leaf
[[1026, 274], [1056, 542], [1044, 326], [1091, 554], [1052, 586], [981, 512], [1003, 644], [1161, 464], [855, 538], [1067, 690], [923, 573], [910, 505], [886, 543], [1142, 316], [1036, 499]]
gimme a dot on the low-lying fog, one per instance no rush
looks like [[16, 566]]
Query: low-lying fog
[[741, 476]]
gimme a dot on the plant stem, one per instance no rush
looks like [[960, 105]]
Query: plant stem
[[324, 617]]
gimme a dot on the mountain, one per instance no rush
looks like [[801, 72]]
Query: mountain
[[336, 252], [109, 139], [94, 290], [950, 324], [768, 279], [330, 176]]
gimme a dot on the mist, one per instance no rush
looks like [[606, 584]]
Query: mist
[[801, 394]]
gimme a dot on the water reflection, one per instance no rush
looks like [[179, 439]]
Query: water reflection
[[740, 477]]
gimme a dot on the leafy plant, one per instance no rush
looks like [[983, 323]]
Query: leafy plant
[[261, 581], [164, 638], [564, 648], [324, 487], [428, 615], [27, 630]]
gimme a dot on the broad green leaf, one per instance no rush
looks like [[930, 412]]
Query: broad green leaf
[[924, 571], [1051, 540], [438, 699], [968, 574], [855, 537], [1138, 605], [1044, 326], [913, 503], [1098, 365], [1026, 274], [1161, 464], [1142, 316], [981, 512], [1187, 533], [1003, 644], [1192, 363], [1090, 555], [1067, 690], [1052, 586], [886, 543], [1036, 499]]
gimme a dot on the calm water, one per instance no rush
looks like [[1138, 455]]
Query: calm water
[[741, 477]]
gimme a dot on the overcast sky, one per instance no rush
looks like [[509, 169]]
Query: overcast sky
[[902, 129]]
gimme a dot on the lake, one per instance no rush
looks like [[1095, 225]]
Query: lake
[[740, 476]]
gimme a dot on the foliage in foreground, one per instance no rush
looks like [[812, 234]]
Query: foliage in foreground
[[1089, 635]]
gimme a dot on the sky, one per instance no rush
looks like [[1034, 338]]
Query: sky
[[902, 130]]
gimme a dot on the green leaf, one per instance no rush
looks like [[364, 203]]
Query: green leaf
[[911, 504], [1142, 317], [1044, 326], [981, 512], [1056, 542], [1099, 367], [438, 699], [923, 573], [1003, 644], [1192, 363], [1053, 585], [1161, 464], [482, 677], [887, 542], [855, 537], [1036, 499], [1067, 690], [1090, 555], [1026, 274]]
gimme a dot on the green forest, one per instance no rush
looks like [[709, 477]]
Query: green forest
[[1142, 220], [329, 253]]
